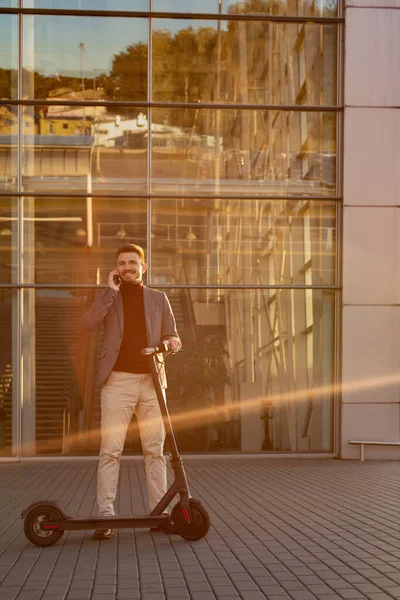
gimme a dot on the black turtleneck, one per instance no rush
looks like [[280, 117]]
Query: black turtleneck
[[130, 359]]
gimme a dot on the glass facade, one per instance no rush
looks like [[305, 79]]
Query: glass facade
[[213, 143]]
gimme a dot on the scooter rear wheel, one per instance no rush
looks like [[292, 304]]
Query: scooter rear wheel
[[200, 522], [32, 526]]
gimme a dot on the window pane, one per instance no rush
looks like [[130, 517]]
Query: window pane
[[9, 57], [180, 6], [60, 365], [243, 152], [8, 240], [74, 240], [8, 147], [249, 379], [8, 332], [85, 149], [63, 416], [85, 58], [110, 5], [244, 62], [242, 242], [326, 8]]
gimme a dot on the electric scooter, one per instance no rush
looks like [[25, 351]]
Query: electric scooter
[[45, 521]]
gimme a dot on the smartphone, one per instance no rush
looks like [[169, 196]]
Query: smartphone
[[117, 279]]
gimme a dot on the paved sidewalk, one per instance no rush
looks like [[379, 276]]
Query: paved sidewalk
[[281, 529]]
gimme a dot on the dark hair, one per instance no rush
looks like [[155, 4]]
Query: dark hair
[[131, 248]]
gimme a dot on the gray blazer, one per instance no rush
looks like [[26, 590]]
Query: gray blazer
[[107, 308]]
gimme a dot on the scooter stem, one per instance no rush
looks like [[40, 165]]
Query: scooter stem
[[162, 401]]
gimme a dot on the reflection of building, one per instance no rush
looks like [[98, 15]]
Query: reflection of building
[[219, 153], [9, 122], [69, 120], [62, 125]]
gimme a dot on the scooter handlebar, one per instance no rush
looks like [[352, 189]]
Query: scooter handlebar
[[163, 347]]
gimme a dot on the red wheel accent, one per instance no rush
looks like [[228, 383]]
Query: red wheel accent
[[38, 528], [199, 523]]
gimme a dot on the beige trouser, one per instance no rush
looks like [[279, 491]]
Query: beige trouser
[[122, 395]]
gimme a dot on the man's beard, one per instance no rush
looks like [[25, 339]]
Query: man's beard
[[135, 278]]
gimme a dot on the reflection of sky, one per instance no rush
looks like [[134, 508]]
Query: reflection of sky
[[185, 6], [8, 41], [87, 4], [193, 6], [56, 41]]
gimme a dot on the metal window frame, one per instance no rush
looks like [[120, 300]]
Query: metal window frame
[[170, 286], [149, 14], [127, 196], [20, 194], [177, 105]]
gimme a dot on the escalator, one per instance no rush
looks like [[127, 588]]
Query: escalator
[[5, 379], [57, 326]]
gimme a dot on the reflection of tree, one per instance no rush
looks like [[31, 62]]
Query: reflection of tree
[[196, 380], [271, 7], [180, 62], [5, 82], [128, 77], [45, 87]]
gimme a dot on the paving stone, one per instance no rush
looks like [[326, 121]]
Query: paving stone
[[9, 592], [379, 596], [29, 595], [272, 590], [128, 595], [104, 589], [198, 587], [79, 595], [127, 583], [253, 596]]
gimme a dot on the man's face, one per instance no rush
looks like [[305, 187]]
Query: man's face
[[130, 267]]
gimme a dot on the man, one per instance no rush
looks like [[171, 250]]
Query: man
[[134, 317]]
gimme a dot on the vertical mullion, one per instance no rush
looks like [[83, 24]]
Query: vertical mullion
[[337, 353], [18, 367], [339, 114], [337, 356], [149, 141]]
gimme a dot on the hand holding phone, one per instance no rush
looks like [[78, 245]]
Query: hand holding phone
[[114, 280]]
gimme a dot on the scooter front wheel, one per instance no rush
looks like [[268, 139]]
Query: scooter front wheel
[[33, 526], [200, 521]]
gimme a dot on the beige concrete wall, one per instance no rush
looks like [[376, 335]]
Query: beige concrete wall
[[371, 228]]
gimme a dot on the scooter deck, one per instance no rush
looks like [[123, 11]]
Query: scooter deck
[[79, 524]]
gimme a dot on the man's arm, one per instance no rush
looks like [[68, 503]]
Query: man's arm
[[168, 326], [96, 313]]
